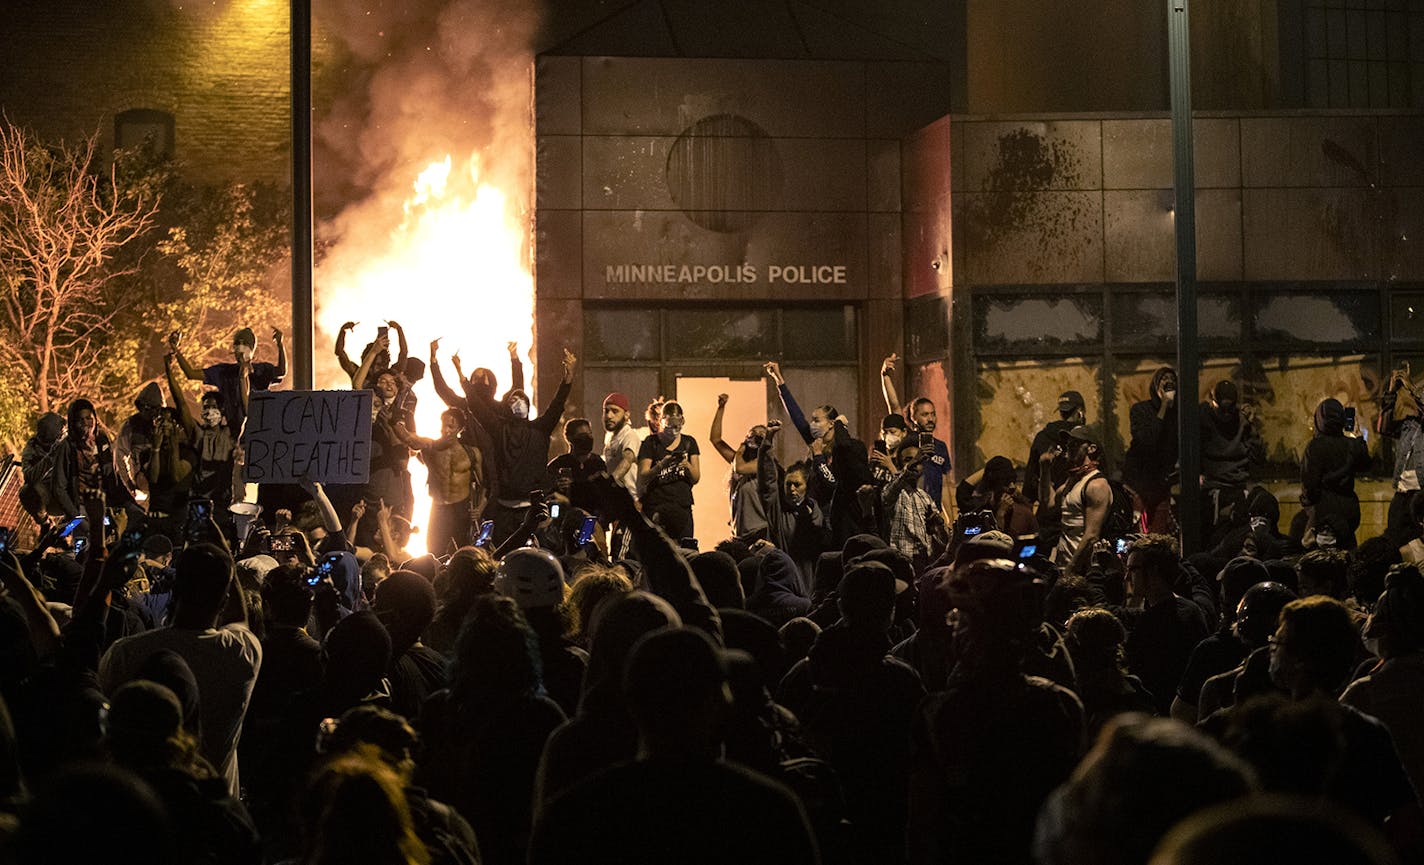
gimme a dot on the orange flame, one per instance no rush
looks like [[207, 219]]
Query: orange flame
[[456, 269]]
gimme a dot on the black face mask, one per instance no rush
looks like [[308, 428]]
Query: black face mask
[[581, 444]]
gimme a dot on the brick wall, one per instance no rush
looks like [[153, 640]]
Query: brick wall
[[67, 68]]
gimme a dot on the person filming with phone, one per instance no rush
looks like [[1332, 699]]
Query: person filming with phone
[[1399, 419], [1327, 476]]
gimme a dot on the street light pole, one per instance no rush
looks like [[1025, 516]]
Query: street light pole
[[302, 336], [1189, 509]]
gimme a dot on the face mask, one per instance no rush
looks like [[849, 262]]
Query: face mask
[[212, 416], [1259, 523], [581, 443], [892, 440], [670, 431], [520, 408], [1325, 539], [819, 429]]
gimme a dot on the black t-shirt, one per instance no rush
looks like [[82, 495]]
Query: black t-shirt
[[672, 486], [581, 472]]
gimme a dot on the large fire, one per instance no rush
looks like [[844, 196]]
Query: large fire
[[455, 269]]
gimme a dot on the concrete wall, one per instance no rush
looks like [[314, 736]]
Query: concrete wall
[[647, 161], [1308, 229]]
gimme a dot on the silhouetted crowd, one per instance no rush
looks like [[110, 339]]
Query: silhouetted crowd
[[878, 665]]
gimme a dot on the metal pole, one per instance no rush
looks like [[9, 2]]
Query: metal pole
[[1188, 359], [301, 348]]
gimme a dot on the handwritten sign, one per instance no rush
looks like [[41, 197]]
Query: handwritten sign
[[324, 435]]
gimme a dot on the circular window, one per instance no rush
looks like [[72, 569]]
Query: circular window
[[724, 172]]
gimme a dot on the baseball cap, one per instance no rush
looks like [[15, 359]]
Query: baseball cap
[[893, 421], [1082, 432], [1069, 400]]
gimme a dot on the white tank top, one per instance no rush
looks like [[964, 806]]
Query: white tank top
[[1073, 520]]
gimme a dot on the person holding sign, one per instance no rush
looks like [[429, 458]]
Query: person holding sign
[[456, 480]]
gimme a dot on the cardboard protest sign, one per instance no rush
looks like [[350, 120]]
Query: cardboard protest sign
[[324, 435]]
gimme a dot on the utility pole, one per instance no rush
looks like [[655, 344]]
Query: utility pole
[[302, 337], [1188, 357]]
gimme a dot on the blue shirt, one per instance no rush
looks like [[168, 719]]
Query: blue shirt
[[935, 470], [223, 376]]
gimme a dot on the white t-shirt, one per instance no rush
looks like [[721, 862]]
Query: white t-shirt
[[615, 443], [224, 662]]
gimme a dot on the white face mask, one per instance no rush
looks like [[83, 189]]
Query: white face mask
[[1259, 523], [893, 439], [819, 429], [212, 416], [520, 409]]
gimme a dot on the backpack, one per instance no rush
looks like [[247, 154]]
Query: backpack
[[1125, 513]]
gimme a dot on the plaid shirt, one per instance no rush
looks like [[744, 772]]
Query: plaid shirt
[[909, 508]]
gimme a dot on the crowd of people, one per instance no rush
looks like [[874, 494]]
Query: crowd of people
[[878, 665]]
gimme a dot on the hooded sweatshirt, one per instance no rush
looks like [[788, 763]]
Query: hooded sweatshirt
[[1328, 469], [778, 598], [1152, 455]]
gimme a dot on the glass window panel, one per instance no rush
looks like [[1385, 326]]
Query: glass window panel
[[1339, 84], [1406, 316], [926, 328], [1319, 84], [1316, 40], [1379, 35], [721, 333], [1359, 84], [1357, 34], [1147, 318], [1335, 30], [620, 334], [1025, 323], [819, 333], [1397, 33], [1318, 317], [1379, 86]]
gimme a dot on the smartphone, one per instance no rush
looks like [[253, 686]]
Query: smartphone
[[1025, 548], [555, 510], [927, 443], [486, 529], [971, 531], [5, 539], [79, 545], [70, 526], [199, 510], [132, 539], [1350, 419], [108, 521], [879, 446], [383, 331], [283, 543], [1121, 546], [585, 532]]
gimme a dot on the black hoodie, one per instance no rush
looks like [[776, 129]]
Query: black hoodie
[[1152, 455], [1327, 473]]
